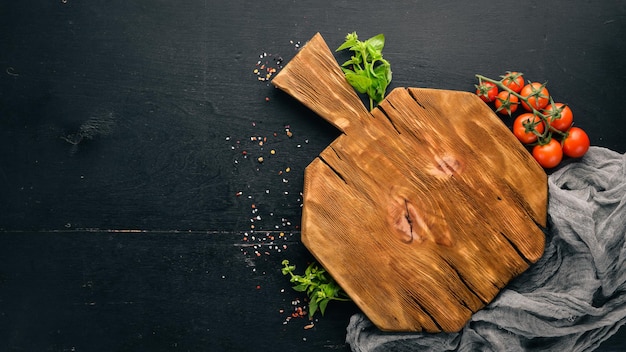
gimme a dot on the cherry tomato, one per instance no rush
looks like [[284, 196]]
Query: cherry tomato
[[506, 103], [576, 143], [487, 91], [514, 81], [524, 125], [560, 116], [548, 155], [536, 94]]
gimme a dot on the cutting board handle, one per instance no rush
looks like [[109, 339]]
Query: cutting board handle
[[315, 79]]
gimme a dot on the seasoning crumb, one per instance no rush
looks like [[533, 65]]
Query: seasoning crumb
[[260, 159], [310, 326]]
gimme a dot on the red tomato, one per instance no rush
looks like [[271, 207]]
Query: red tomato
[[536, 94], [560, 116], [576, 143], [514, 81], [487, 91], [525, 126], [548, 155], [506, 103]]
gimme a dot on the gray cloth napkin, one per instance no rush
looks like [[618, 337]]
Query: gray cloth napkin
[[572, 299]]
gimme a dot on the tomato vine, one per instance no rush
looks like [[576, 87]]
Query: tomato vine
[[543, 125]]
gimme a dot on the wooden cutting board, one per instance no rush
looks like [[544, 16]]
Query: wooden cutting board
[[422, 209]]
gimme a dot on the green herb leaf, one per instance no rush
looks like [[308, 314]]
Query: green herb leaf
[[359, 82], [377, 42], [301, 287], [322, 305], [312, 308], [351, 40], [366, 70], [319, 286]]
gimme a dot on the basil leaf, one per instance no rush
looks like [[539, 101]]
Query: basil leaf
[[301, 287], [383, 70], [351, 40], [312, 307], [377, 42], [323, 305], [359, 82]]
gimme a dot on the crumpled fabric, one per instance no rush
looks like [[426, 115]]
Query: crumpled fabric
[[572, 299]]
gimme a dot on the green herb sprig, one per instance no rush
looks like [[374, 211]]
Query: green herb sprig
[[367, 71], [318, 285]]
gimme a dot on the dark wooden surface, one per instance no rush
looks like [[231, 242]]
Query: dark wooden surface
[[126, 201]]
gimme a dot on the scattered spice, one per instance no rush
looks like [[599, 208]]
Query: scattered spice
[[267, 66], [269, 233]]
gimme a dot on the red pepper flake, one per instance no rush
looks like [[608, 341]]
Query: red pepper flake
[[258, 287], [310, 326]]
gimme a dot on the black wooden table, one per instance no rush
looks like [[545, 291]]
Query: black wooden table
[[134, 212]]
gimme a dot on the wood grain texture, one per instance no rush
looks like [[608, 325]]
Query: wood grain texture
[[422, 210]]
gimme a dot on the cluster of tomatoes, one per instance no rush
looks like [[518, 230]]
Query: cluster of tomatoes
[[544, 126]]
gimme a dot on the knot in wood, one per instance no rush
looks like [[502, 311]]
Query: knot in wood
[[414, 225], [447, 166]]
